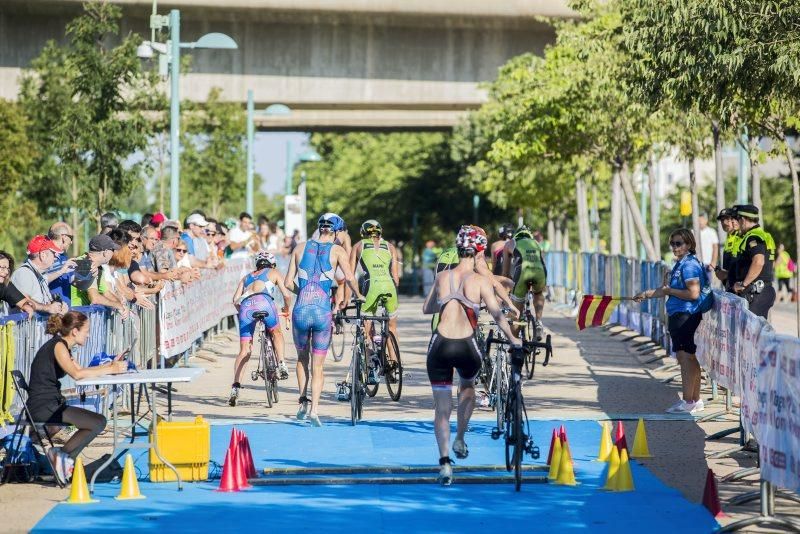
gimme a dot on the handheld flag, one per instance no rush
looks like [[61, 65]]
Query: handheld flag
[[596, 310]]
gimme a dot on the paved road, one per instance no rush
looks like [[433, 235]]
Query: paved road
[[595, 374]]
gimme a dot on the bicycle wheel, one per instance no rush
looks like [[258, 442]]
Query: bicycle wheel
[[356, 385], [337, 340], [371, 389], [362, 378], [392, 367], [501, 389], [266, 347], [508, 433], [518, 436]]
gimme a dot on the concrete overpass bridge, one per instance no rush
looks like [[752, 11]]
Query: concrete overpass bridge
[[339, 64]]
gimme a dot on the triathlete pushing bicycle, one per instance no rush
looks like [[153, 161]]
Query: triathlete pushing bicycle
[[457, 295], [256, 293]]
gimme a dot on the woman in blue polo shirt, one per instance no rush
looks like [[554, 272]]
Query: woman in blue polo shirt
[[686, 281]]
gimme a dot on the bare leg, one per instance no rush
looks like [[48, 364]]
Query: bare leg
[[443, 406], [519, 306], [302, 372], [245, 346], [317, 380], [538, 305], [466, 404], [89, 425], [687, 384], [277, 341], [694, 374], [393, 329]]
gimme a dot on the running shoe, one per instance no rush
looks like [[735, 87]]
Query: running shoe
[[689, 407], [539, 331], [314, 419], [698, 406], [483, 400], [234, 396], [54, 455], [445, 477], [460, 449], [68, 465], [677, 407], [283, 370], [302, 411], [343, 392]]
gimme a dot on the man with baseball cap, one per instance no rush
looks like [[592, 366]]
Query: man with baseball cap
[[30, 279], [754, 262], [194, 237], [730, 225], [89, 286]]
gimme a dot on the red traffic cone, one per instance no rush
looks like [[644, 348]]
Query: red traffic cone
[[562, 434], [239, 467], [248, 456], [552, 442], [228, 480], [711, 497], [619, 438]]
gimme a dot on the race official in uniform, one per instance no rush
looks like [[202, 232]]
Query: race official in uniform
[[754, 261], [730, 224]]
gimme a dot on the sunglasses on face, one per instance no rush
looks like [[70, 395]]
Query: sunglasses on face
[[212, 234], [181, 250], [676, 244]]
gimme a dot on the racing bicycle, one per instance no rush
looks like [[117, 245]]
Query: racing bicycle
[[267, 361], [385, 360]]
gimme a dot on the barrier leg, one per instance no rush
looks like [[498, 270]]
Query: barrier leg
[[741, 473], [767, 495]]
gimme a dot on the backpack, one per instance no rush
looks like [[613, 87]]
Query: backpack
[[792, 266], [706, 295]]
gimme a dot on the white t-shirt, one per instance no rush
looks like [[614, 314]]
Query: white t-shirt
[[237, 235], [708, 240]]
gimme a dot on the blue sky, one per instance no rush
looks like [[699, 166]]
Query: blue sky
[[270, 157]]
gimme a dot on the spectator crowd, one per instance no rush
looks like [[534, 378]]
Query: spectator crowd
[[128, 261]]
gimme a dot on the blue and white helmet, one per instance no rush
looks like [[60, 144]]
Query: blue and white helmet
[[331, 222]]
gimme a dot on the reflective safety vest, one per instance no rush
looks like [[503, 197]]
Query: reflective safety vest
[[732, 243], [760, 233]]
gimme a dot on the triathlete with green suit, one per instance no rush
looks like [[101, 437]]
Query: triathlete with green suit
[[523, 262], [376, 260]]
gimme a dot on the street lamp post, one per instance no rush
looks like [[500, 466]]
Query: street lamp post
[[271, 111], [170, 54]]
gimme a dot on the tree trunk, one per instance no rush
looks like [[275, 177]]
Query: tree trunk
[[796, 198], [551, 232], [564, 234], [630, 197], [616, 213], [695, 211], [74, 212], [595, 220], [627, 235], [583, 214], [559, 235], [720, 181], [755, 177], [652, 184]]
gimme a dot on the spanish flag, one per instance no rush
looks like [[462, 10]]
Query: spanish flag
[[596, 310]]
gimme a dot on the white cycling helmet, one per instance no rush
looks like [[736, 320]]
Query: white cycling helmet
[[265, 257]]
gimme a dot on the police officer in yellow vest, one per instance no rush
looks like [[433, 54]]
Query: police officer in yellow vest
[[730, 225], [754, 262]]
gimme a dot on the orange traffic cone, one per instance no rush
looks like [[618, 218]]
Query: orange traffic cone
[[79, 494], [711, 497], [129, 490]]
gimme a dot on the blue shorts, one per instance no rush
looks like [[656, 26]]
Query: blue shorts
[[258, 302]]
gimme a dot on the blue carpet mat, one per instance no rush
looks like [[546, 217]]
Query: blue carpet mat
[[652, 508]]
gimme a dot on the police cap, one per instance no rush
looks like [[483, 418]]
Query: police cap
[[747, 211]]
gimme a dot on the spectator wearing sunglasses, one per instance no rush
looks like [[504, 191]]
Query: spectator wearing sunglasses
[[683, 288], [30, 279], [62, 272]]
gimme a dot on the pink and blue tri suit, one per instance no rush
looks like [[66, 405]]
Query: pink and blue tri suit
[[257, 302], [312, 310]]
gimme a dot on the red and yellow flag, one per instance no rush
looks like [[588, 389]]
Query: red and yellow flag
[[596, 310]]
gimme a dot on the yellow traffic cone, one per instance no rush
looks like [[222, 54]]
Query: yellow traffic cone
[[605, 444], [555, 461], [624, 478], [566, 475], [79, 494], [130, 486], [640, 448], [613, 468]]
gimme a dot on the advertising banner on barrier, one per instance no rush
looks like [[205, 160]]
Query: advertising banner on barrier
[[718, 344], [777, 420], [753, 330], [186, 311]]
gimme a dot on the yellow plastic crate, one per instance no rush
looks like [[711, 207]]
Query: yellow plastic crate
[[184, 444]]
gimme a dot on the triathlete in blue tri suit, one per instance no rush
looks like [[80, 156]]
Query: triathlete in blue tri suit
[[256, 293], [314, 263]]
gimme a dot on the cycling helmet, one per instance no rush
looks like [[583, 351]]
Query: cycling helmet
[[265, 259], [471, 240], [506, 231], [523, 232], [371, 228], [331, 222]]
